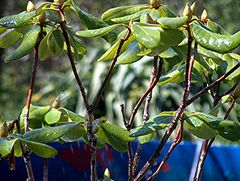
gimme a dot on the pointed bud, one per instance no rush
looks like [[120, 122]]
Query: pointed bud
[[107, 173], [30, 6], [187, 11], [204, 16], [155, 3], [57, 102], [194, 8]]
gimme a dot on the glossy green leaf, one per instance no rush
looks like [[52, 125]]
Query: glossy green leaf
[[199, 128], [128, 18], [114, 136], [171, 37], [43, 50], [53, 116], [54, 15], [43, 7], [148, 36], [131, 54], [10, 39], [164, 11], [55, 42], [16, 20], [2, 30], [117, 132], [49, 134], [154, 124], [172, 23], [215, 110], [226, 128], [97, 32], [6, 146], [27, 44], [74, 134], [169, 53], [110, 53], [145, 138], [174, 76], [213, 41], [122, 11], [41, 150], [73, 117], [36, 116], [214, 27]]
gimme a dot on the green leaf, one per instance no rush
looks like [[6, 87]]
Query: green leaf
[[2, 30], [17, 20], [128, 18], [49, 134], [213, 41], [97, 32], [199, 128], [117, 132], [27, 44], [72, 116], [154, 124], [41, 150], [169, 53], [172, 23], [55, 42], [148, 36], [74, 134], [43, 50], [145, 138], [53, 116], [54, 15], [110, 53], [174, 76], [131, 54], [226, 128], [10, 39], [171, 37], [122, 11], [6, 146]]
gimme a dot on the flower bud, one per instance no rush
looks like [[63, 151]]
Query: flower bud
[[30, 6], [107, 173], [193, 8], [57, 102], [204, 16], [187, 11], [155, 3]]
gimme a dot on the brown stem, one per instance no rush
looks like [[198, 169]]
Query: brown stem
[[206, 145], [122, 41], [176, 141], [145, 113], [139, 103], [71, 59], [179, 112], [45, 169], [216, 82], [230, 108], [90, 134]]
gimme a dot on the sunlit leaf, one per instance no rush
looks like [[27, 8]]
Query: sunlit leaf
[[6, 146], [53, 116], [10, 39]]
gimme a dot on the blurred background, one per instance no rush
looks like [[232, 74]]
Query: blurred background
[[128, 82]]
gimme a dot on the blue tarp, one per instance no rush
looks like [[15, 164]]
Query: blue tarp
[[72, 163]]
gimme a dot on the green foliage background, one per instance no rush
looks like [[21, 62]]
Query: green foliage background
[[55, 77]]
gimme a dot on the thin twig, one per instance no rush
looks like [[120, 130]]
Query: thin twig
[[216, 82], [45, 169], [206, 145], [176, 141], [90, 134], [146, 112], [230, 108], [139, 103], [179, 112], [71, 59], [109, 73]]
